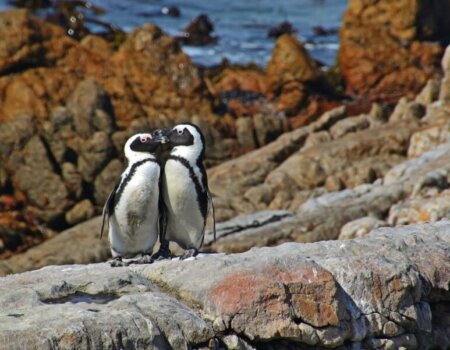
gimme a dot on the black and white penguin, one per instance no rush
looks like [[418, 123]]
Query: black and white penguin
[[132, 207], [185, 195]]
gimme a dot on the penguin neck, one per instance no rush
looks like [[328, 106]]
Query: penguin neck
[[190, 153]]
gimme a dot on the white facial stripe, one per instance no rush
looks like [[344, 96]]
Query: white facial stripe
[[191, 152], [133, 156]]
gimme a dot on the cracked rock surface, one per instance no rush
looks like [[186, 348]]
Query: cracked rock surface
[[387, 290]]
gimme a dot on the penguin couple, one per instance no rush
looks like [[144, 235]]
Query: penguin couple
[[166, 194]]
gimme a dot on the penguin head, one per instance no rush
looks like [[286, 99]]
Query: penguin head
[[143, 145], [187, 141]]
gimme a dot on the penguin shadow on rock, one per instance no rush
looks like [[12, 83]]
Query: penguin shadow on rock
[[185, 199], [132, 208]]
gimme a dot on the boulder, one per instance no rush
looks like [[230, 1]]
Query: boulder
[[79, 244], [360, 227], [291, 62], [388, 290], [322, 216], [391, 48], [29, 42], [350, 160]]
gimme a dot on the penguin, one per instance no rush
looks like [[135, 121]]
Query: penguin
[[132, 207], [186, 199]]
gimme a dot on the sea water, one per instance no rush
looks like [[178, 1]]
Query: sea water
[[241, 27]]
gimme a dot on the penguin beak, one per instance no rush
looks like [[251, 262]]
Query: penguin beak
[[162, 135]]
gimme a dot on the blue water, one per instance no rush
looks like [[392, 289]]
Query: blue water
[[241, 26]]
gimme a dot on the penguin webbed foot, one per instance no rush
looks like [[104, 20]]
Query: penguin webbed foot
[[189, 253], [163, 252], [144, 259], [117, 262]]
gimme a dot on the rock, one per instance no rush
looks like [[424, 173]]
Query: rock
[[106, 180], [231, 79], [95, 153], [280, 29], [424, 140], [360, 227], [85, 105], [386, 49], [317, 138], [290, 62], [322, 215], [383, 290], [29, 41], [244, 133], [198, 32], [408, 111], [15, 134], [33, 174], [72, 179], [80, 212], [79, 244], [416, 210], [430, 93], [286, 166], [350, 124]]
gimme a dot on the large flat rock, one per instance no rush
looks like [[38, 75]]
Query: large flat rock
[[388, 290]]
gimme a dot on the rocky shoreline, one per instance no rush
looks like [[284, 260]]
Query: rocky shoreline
[[313, 174], [386, 291]]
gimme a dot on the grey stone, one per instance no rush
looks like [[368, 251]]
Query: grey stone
[[429, 93], [80, 212], [79, 244], [360, 227], [87, 98], [95, 153], [380, 291], [106, 180], [348, 125], [15, 133], [244, 133], [33, 174]]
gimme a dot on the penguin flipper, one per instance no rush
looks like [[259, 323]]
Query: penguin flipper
[[210, 200], [108, 208]]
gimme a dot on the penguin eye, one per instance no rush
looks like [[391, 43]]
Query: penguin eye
[[145, 138], [180, 131]]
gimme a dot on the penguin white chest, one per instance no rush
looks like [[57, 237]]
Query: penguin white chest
[[185, 223], [134, 225]]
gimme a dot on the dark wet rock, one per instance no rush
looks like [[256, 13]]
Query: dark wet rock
[[322, 31], [198, 32], [171, 11], [280, 29]]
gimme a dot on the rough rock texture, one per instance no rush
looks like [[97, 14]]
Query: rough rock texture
[[388, 290], [284, 174], [360, 227], [391, 49], [322, 218], [77, 245]]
